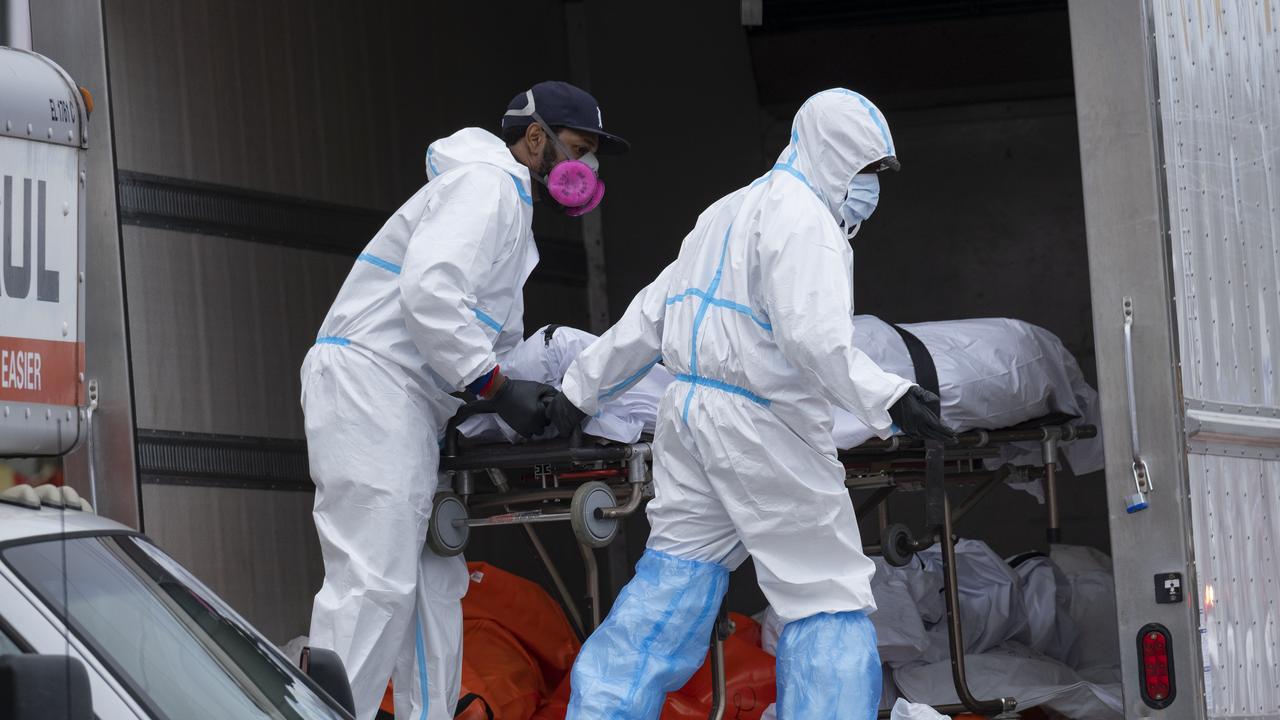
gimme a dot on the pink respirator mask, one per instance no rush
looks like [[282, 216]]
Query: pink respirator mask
[[572, 184]]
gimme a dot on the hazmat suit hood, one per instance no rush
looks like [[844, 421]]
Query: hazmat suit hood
[[836, 134], [471, 145]]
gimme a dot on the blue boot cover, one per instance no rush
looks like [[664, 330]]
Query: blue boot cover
[[828, 668], [655, 638]]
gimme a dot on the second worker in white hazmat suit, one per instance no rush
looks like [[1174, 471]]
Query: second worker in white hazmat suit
[[430, 307], [754, 321]]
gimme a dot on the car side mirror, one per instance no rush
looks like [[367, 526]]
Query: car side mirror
[[326, 669], [44, 687]]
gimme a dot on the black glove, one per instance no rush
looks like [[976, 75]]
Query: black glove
[[914, 417], [565, 415], [523, 405]]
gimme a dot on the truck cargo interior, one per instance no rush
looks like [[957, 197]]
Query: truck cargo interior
[[984, 220], [257, 146], [302, 107]]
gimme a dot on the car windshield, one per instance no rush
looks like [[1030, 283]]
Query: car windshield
[[182, 651]]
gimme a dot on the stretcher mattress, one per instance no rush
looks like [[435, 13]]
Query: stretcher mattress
[[992, 374]]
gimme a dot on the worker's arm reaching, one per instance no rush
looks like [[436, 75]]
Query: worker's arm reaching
[[615, 362], [461, 235], [808, 279]]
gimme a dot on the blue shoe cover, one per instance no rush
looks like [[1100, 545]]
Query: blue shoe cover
[[828, 668], [655, 638]]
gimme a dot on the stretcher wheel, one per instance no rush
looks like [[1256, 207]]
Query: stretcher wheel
[[895, 545], [443, 536], [591, 530]]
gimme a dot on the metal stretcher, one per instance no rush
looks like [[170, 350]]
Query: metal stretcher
[[590, 475], [594, 485], [881, 468], [578, 481], [884, 467]]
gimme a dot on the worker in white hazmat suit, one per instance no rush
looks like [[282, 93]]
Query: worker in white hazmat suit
[[754, 321], [429, 308]]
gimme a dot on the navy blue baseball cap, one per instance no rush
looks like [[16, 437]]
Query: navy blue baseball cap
[[560, 104]]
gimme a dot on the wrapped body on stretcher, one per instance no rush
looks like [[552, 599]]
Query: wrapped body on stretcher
[[992, 374]]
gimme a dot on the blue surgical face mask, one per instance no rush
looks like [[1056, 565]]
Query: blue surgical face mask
[[859, 202]]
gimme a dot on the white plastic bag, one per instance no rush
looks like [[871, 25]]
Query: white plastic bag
[[991, 602], [1046, 594], [1096, 651], [1014, 670], [903, 710]]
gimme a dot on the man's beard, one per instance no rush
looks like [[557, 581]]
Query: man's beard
[[545, 163], [548, 159]]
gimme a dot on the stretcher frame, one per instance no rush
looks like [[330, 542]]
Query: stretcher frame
[[578, 472], [880, 468], [886, 467]]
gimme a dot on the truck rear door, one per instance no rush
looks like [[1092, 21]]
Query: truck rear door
[[1179, 119]]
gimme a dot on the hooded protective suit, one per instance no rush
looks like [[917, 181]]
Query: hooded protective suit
[[432, 302], [754, 320]]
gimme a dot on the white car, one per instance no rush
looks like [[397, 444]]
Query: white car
[[154, 642]]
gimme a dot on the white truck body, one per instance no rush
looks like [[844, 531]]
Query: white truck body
[[42, 135]]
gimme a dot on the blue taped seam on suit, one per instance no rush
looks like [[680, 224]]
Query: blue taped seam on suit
[[525, 197], [484, 317], [702, 313], [794, 172], [875, 117], [422, 666], [700, 381], [788, 170], [795, 148], [631, 380], [871, 111], [376, 261], [721, 302], [789, 166], [332, 340]]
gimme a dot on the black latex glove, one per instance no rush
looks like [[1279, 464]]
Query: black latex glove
[[914, 417], [565, 415], [523, 405]]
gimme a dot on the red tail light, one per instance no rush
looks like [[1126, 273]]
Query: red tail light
[[1155, 663]]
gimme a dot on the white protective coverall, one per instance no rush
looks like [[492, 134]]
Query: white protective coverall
[[754, 320], [432, 302]]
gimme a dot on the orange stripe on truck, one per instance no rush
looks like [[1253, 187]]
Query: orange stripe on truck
[[40, 371]]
